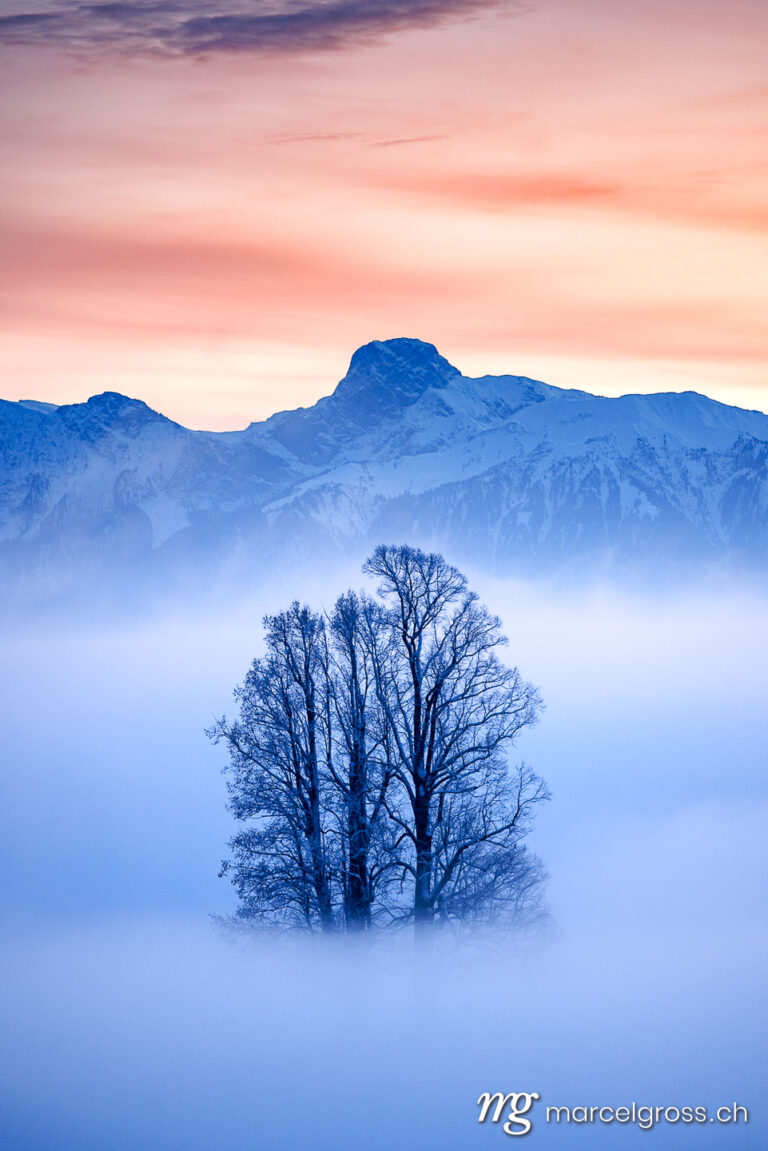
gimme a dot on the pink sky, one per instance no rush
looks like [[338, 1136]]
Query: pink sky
[[575, 192]]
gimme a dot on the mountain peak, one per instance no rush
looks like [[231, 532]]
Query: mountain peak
[[400, 354], [111, 403], [384, 378], [391, 374], [115, 402], [107, 412]]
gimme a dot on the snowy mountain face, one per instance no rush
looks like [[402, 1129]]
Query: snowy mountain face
[[504, 472]]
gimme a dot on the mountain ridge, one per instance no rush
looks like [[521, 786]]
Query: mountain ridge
[[519, 475]]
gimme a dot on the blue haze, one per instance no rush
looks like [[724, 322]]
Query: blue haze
[[128, 1023], [110, 501]]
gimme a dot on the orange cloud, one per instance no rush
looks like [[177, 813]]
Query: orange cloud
[[698, 202]]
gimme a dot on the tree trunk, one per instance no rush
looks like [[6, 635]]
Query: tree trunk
[[358, 904], [423, 912], [320, 882], [319, 871], [358, 894]]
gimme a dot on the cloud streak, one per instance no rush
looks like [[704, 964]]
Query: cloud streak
[[697, 199], [179, 28]]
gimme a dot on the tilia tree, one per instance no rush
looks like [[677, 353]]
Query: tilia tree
[[282, 864], [453, 710], [359, 767], [369, 762]]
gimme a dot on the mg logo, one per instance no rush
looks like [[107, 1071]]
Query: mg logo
[[515, 1106]]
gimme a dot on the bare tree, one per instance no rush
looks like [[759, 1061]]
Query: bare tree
[[359, 769], [453, 710], [482, 869], [369, 761], [279, 746]]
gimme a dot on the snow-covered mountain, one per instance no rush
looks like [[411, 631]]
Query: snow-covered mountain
[[507, 472]]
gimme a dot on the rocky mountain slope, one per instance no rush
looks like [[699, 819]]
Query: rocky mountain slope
[[507, 472]]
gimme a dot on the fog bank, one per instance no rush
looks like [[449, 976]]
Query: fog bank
[[129, 1023]]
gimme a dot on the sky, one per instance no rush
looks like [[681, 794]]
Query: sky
[[211, 208]]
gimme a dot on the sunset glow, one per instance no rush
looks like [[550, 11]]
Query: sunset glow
[[213, 224]]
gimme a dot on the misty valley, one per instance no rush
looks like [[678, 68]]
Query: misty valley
[[140, 562]]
